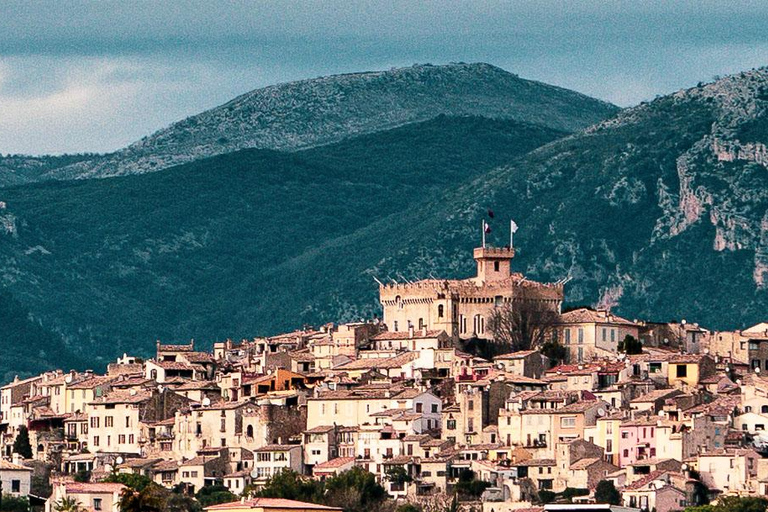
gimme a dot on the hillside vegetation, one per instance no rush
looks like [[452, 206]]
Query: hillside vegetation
[[320, 111], [194, 251]]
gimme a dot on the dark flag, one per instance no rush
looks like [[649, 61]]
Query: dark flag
[[490, 213]]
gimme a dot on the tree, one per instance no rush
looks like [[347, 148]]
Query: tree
[[134, 481], [150, 499], [292, 486], [213, 495], [82, 475], [630, 345], [355, 490], [398, 475], [178, 502], [468, 485], [525, 323], [554, 351], [606, 492], [21, 443], [14, 504], [734, 504], [68, 504]]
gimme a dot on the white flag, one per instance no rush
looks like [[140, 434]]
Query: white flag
[[513, 226]]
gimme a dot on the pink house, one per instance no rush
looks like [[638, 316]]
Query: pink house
[[637, 441]]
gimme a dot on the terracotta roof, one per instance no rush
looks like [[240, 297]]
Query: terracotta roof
[[334, 463], [93, 488], [599, 316], [584, 463], [406, 335], [379, 362], [268, 503], [9, 466], [124, 397], [93, 382], [656, 394]]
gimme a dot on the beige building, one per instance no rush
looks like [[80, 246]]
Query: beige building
[[461, 307], [95, 496], [588, 333]]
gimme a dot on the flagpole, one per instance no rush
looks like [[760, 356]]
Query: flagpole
[[482, 228], [511, 234]]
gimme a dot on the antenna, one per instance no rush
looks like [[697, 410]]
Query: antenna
[[380, 283]]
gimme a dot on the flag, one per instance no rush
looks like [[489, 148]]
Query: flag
[[513, 226], [490, 213], [487, 228]]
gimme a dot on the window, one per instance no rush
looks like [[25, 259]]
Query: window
[[95, 440], [109, 421], [130, 439], [471, 405], [613, 335], [682, 370], [15, 485], [96, 503], [625, 434], [471, 425], [567, 336], [421, 323], [654, 368], [568, 422], [581, 336], [451, 425], [495, 266], [626, 453], [609, 446], [419, 407], [581, 354], [604, 334], [121, 439], [127, 422], [95, 422], [395, 325], [440, 311], [434, 408]]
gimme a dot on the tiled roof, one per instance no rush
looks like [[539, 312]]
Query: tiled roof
[[270, 503], [599, 316], [406, 335], [93, 488], [584, 463], [131, 396], [9, 466], [93, 382], [334, 463], [379, 362]]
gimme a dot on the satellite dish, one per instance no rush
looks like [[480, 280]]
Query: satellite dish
[[757, 369], [254, 473], [601, 412], [119, 459]]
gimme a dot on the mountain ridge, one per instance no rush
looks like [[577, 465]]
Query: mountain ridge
[[319, 111]]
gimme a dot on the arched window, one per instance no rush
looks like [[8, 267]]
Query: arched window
[[249, 431], [748, 408], [440, 310]]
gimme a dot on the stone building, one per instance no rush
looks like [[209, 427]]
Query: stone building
[[461, 307]]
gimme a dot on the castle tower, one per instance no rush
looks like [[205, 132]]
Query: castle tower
[[493, 263]]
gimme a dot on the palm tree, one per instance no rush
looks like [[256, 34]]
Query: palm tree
[[149, 499], [68, 504]]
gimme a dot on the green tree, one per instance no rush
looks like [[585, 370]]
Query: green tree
[[469, 486], [554, 351], [82, 476], [546, 496], [355, 490], [14, 504], [734, 504], [21, 443], [150, 499], [630, 345], [134, 481], [292, 486], [178, 502], [213, 495], [398, 475], [68, 504], [606, 492]]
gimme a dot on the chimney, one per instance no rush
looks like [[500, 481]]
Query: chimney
[[424, 331], [410, 330]]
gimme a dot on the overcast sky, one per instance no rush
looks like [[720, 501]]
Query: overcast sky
[[95, 76]]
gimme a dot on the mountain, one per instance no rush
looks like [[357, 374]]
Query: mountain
[[660, 212], [196, 250], [325, 110]]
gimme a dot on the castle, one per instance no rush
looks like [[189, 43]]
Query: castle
[[461, 307]]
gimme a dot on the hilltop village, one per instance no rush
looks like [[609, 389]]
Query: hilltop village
[[481, 388]]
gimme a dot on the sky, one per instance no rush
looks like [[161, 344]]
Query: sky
[[95, 76]]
